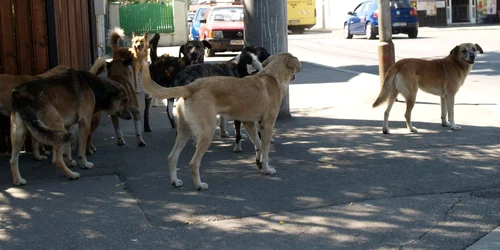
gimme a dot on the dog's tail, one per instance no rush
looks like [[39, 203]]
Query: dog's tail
[[387, 87], [98, 65], [159, 92], [114, 35], [23, 105], [153, 45]]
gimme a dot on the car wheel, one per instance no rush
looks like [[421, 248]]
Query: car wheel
[[298, 30], [209, 52], [369, 32], [413, 33], [347, 34]]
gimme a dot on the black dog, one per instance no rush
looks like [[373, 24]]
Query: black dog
[[194, 52], [163, 69], [237, 67]]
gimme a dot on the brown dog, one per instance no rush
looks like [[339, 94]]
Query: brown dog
[[118, 72], [249, 99], [442, 77], [8, 83], [49, 107], [139, 50]]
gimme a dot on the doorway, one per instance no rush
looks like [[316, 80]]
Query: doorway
[[460, 11]]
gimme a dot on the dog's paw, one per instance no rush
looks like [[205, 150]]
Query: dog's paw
[[224, 134], [445, 124], [142, 144], [147, 130], [413, 130], [87, 165], [71, 164], [73, 176], [177, 183], [385, 131], [89, 152], [272, 140], [19, 182], [237, 148], [121, 142], [202, 186], [45, 152], [269, 171], [244, 136], [41, 157], [258, 163], [456, 127]]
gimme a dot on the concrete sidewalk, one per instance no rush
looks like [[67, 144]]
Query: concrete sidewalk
[[341, 183]]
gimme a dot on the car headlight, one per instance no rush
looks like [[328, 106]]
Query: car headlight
[[217, 34]]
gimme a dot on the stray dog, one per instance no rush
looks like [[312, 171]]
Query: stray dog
[[8, 83], [49, 107], [139, 50], [118, 72], [249, 99], [442, 77], [249, 61], [163, 69], [193, 52]]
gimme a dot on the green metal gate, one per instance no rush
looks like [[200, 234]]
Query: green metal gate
[[147, 17]]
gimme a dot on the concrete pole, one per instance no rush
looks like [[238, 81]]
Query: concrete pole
[[386, 56], [266, 25]]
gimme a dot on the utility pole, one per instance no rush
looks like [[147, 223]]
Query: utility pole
[[266, 25], [386, 56]]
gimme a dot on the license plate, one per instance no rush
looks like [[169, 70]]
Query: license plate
[[236, 42], [399, 24], [294, 22]]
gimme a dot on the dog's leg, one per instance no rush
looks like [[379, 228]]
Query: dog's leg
[[183, 136], [266, 128], [390, 102], [255, 138], [147, 103], [410, 103], [36, 150], [83, 134], [68, 160], [260, 135], [58, 160], [136, 114], [119, 135], [94, 124], [237, 144], [450, 103], [170, 112], [222, 126], [18, 132], [203, 141], [444, 113], [135, 70]]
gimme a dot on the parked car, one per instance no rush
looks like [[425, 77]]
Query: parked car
[[194, 26], [222, 27], [364, 19]]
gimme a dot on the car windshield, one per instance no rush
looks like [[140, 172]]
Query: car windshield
[[400, 4], [227, 14]]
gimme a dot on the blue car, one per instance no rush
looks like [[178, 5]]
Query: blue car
[[364, 19], [194, 31]]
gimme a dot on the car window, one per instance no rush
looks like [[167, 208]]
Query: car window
[[227, 14], [358, 9], [201, 13], [400, 4], [366, 7]]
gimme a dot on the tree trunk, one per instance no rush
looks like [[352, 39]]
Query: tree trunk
[[266, 26]]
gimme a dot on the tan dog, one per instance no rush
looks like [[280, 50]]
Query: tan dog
[[8, 83], [118, 71], [249, 99], [49, 107], [139, 50], [442, 77]]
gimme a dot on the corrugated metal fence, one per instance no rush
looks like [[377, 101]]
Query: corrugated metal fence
[[147, 17]]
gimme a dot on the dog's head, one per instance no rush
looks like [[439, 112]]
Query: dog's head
[[120, 67], [140, 43], [194, 51], [466, 52], [250, 60], [283, 65], [118, 100]]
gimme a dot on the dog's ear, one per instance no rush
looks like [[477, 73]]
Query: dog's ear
[[479, 48], [181, 51], [146, 35], [206, 44], [294, 63], [133, 34], [454, 51]]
